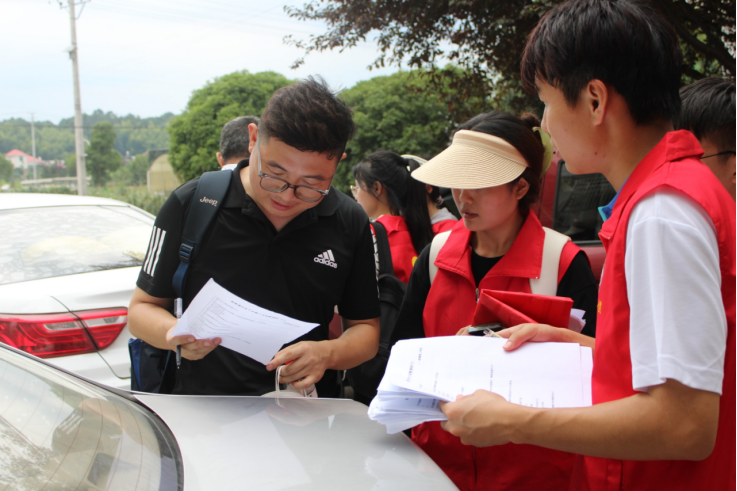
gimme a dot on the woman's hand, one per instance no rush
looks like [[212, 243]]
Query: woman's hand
[[463, 331], [308, 362], [534, 333], [192, 349]]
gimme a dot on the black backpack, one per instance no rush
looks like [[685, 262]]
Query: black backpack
[[365, 378], [152, 369]]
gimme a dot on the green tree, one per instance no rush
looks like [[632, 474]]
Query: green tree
[[102, 158], [195, 134], [133, 173], [70, 161], [404, 113], [486, 37], [6, 169]]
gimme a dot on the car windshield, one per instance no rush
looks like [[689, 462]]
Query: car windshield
[[57, 432], [56, 241]]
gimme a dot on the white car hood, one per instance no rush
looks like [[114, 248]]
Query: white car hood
[[259, 443]]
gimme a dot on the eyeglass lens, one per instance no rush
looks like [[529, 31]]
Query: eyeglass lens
[[276, 185]]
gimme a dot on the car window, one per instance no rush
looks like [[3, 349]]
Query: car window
[[577, 202], [57, 432], [56, 241]]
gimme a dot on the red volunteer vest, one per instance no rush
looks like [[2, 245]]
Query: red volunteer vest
[[672, 164], [443, 226], [400, 244], [450, 305]]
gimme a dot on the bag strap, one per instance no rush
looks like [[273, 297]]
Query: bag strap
[[208, 197], [547, 283], [382, 246], [437, 243]]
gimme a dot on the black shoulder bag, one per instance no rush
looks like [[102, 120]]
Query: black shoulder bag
[[152, 369], [365, 378]]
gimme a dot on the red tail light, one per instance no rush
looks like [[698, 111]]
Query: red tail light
[[51, 335]]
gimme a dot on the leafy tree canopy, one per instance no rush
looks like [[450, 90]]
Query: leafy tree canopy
[[132, 173], [135, 135], [195, 134], [102, 158], [486, 37], [404, 113]]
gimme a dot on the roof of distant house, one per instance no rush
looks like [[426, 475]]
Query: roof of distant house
[[19, 153]]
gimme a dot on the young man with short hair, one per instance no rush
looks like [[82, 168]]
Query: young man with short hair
[[664, 361], [280, 215], [235, 142], [708, 111]]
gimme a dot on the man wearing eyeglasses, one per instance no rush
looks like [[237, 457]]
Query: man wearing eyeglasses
[[285, 240], [708, 111]]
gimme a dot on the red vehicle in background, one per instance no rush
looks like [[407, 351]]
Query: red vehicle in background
[[570, 205]]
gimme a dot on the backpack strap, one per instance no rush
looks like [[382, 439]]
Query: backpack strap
[[437, 243], [208, 197], [384, 250], [547, 283]]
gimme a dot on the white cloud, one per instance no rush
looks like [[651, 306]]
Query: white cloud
[[146, 56]]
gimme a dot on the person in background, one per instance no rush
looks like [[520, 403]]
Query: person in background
[[708, 111], [494, 168], [234, 142], [663, 381], [440, 218], [389, 195]]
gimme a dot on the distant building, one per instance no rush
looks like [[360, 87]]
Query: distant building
[[22, 160], [160, 176]]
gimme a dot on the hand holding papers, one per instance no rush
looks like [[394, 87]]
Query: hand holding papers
[[244, 327], [422, 372]]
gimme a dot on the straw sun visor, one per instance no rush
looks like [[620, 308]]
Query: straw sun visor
[[474, 160]]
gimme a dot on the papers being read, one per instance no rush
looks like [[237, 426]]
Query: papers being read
[[244, 327]]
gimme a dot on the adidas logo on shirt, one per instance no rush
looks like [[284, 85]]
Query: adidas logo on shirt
[[327, 259]]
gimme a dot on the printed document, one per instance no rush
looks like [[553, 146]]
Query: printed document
[[422, 372], [244, 327]]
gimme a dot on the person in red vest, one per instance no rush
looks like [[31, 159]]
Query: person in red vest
[[664, 358], [389, 195], [493, 167]]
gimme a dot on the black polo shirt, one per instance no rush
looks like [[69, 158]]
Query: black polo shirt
[[324, 257]]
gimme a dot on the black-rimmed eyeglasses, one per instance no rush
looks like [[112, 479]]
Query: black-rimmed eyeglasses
[[278, 185], [726, 152]]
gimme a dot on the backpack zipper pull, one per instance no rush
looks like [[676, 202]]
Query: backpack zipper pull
[[477, 295]]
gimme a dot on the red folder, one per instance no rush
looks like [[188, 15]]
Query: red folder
[[511, 309]]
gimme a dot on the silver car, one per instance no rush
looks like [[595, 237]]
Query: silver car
[[59, 431], [68, 267]]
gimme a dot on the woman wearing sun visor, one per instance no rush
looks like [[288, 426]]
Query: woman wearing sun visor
[[494, 167]]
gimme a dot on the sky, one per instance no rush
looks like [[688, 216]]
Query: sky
[[145, 57]]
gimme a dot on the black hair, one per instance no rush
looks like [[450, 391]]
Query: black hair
[[625, 44], [518, 133], [310, 117], [708, 111], [234, 138], [407, 196]]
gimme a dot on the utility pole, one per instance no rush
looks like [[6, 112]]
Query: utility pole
[[78, 126], [33, 146]]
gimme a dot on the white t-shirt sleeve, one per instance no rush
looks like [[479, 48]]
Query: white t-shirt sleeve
[[678, 326]]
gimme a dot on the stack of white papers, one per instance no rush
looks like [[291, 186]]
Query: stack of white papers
[[423, 372]]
